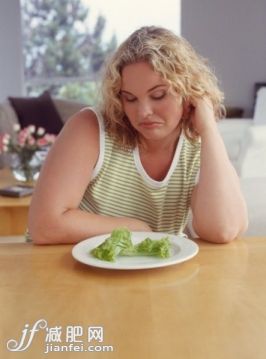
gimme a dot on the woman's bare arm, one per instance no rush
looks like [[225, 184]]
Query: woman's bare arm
[[54, 216], [218, 206]]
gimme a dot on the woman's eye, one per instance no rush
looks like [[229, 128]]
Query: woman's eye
[[129, 98], [158, 95]]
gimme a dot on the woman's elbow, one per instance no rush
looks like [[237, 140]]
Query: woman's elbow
[[39, 238], [221, 237], [221, 234], [226, 235], [40, 233]]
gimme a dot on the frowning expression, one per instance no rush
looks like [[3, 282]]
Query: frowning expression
[[151, 108]]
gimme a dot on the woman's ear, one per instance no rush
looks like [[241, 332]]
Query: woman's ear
[[187, 108]]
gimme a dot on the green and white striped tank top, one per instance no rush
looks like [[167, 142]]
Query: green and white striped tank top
[[121, 187]]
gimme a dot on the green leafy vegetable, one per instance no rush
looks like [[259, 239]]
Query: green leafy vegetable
[[149, 247], [120, 238], [120, 244]]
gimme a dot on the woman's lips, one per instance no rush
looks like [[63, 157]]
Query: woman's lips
[[150, 124]]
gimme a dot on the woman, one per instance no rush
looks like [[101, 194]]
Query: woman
[[150, 152]]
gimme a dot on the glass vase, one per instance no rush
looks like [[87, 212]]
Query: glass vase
[[25, 167]]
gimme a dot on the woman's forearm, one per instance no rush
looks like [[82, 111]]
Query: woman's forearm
[[74, 225], [219, 210]]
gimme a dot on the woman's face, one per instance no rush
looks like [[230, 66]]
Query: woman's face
[[151, 108]]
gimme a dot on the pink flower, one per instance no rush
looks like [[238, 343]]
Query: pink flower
[[6, 139], [31, 129], [4, 142], [31, 140], [1, 143], [50, 138], [42, 142], [22, 137], [27, 138]]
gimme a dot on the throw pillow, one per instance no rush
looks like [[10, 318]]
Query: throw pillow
[[39, 111], [260, 107]]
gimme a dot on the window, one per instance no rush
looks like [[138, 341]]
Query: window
[[66, 42], [123, 17]]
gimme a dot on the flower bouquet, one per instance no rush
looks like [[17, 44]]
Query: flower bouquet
[[26, 149]]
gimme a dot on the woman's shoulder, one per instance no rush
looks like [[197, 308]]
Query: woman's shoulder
[[85, 118], [81, 133]]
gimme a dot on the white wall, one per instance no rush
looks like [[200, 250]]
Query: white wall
[[11, 60], [232, 35]]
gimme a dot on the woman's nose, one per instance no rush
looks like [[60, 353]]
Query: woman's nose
[[144, 110]]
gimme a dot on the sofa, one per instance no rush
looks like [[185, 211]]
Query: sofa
[[8, 116], [246, 146], [245, 141]]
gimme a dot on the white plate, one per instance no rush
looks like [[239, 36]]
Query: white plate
[[182, 249]]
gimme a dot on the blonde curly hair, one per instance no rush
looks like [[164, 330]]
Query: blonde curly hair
[[175, 60]]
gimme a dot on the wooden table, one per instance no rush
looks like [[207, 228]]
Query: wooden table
[[210, 307], [13, 211]]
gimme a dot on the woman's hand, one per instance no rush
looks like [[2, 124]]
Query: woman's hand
[[137, 225], [201, 115]]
